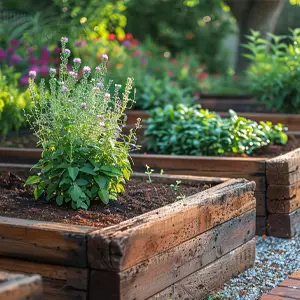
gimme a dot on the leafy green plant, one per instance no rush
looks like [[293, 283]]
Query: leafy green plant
[[195, 131], [13, 102], [175, 186], [79, 125], [275, 70], [148, 172]]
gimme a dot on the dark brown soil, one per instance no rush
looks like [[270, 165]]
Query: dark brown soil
[[140, 197]]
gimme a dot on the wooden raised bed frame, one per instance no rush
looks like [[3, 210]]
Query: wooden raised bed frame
[[20, 287], [277, 181], [199, 242]]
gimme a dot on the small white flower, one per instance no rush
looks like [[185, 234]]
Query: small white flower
[[107, 95]]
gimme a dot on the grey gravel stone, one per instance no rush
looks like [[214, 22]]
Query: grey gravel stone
[[275, 260]]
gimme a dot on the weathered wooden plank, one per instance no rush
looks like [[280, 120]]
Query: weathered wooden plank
[[296, 275], [292, 283], [75, 278], [20, 287], [283, 191], [47, 242], [285, 292], [261, 225], [273, 297], [285, 163], [199, 284], [284, 206], [284, 225], [261, 209], [128, 243], [157, 273], [283, 178], [249, 165]]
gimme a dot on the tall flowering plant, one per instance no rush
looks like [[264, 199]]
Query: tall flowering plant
[[79, 125]]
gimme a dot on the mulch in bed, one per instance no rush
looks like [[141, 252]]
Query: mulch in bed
[[140, 197]]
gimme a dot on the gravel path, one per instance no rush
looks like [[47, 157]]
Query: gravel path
[[275, 260]]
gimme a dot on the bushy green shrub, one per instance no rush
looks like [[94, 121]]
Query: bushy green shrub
[[195, 131], [275, 70], [79, 124], [13, 102]]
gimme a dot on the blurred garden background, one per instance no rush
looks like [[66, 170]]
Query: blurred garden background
[[178, 51]]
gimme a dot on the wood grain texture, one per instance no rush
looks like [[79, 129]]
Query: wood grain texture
[[199, 284], [285, 292], [292, 283], [123, 246], [157, 273], [74, 278], [261, 225], [284, 225], [296, 275], [280, 178], [283, 206], [261, 207], [47, 242], [20, 287], [283, 192]]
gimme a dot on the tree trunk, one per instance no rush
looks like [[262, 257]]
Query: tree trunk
[[260, 15]]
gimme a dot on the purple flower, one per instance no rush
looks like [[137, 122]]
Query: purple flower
[[104, 57], [57, 50], [98, 69], [44, 70], [14, 42], [30, 50], [2, 54], [15, 59], [10, 50], [33, 60], [96, 89], [32, 74], [80, 43], [144, 60], [73, 74], [77, 60], [83, 105], [86, 69], [127, 44], [35, 68], [67, 51], [101, 123], [64, 39], [45, 54], [64, 88], [100, 84], [24, 80]]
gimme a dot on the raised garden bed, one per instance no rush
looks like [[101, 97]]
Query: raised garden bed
[[20, 287], [292, 121], [277, 181], [239, 103], [199, 242]]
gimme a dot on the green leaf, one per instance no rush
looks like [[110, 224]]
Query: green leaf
[[51, 188], [60, 200], [73, 172], [81, 182], [65, 180], [88, 170], [104, 195], [47, 168], [75, 192], [101, 181], [38, 165], [39, 189], [111, 169], [84, 205], [32, 180], [94, 191]]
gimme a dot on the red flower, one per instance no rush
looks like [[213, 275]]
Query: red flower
[[129, 36], [170, 73], [135, 42], [172, 60], [112, 36], [203, 76]]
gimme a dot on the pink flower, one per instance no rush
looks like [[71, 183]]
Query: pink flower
[[30, 50], [64, 39], [83, 105], [64, 88], [100, 84], [80, 43], [57, 50], [52, 71], [32, 74], [14, 42], [33, 60], [137, 53], [101, 123], [129, 36], [35, 68], [104, 57], [10, 50], [73, 74], [107, 95], [112, 36], [2, 54], [77, 60], [67, 51], [98, 69], [86, 69], [56, 60]]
